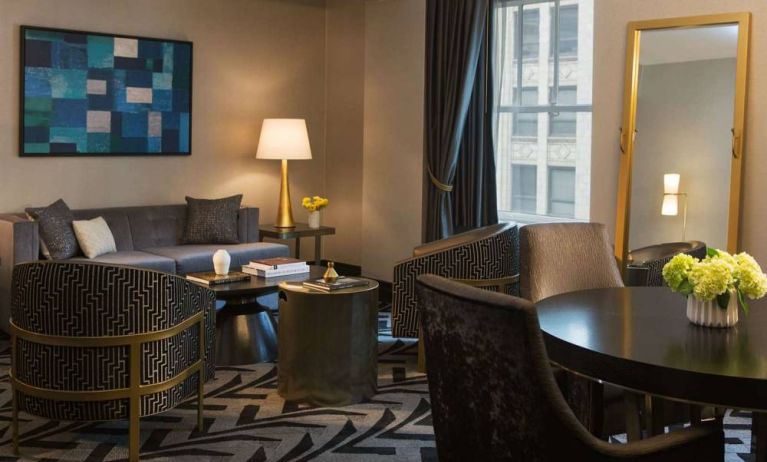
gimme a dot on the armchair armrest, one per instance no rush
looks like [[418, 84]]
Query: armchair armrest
[[19, 242]]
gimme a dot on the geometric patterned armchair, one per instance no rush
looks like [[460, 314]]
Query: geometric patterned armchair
[[103, 342], [645, 266], [486, 257]]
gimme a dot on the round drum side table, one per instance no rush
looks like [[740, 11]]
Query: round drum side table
[[328, 344]]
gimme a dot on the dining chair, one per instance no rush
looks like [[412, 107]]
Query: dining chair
[[556, 258], [493, 395]]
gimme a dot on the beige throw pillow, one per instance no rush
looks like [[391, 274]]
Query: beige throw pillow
[[94, 236]]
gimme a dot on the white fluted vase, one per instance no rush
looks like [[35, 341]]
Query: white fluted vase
[[709, 314], [314, 219]]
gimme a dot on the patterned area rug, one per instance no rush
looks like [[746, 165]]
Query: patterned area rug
[[246, 420]]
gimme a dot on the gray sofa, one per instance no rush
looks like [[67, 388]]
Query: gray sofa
[[146, 237]]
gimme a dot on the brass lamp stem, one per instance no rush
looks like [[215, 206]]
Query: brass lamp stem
[[284, 212]]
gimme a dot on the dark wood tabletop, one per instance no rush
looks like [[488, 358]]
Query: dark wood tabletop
[[261, 286], [300, 230], [639, 338]]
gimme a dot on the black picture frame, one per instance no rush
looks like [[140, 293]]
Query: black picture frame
[[76, 36]]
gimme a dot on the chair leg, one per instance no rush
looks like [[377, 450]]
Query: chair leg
[[134, 431], [15, 421], [421, 353], [633, 419], [200, 396]]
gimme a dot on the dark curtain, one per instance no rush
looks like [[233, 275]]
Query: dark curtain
[[455, 31], [475, 203]]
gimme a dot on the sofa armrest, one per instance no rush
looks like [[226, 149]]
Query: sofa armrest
[[248, 224], [19, 242]]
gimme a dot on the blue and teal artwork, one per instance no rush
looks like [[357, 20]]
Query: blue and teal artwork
[[91, 94]]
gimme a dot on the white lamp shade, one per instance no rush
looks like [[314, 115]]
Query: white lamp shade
[[284, 139], [670, 205], [671, 183]]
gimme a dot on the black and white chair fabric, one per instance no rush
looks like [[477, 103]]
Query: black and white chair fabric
[[97, 342], [486, 257]]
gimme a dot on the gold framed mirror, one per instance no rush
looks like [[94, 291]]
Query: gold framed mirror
[[681, 141]]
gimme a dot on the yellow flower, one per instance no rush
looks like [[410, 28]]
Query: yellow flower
[[711, 277], [676, 273]]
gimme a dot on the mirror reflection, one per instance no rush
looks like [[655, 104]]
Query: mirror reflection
[[680, 175]]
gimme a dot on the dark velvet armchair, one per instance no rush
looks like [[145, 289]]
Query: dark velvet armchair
[[493, 395], [98, 342]]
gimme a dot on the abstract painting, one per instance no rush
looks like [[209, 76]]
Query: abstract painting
[[92, 94]]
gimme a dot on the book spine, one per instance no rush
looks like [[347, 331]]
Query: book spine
[[261, 266], [273, 273]]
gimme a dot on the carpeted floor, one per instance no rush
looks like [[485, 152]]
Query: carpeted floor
[[245, 420]]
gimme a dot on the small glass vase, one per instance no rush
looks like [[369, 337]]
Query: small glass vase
[[709, 314], [314, 219]]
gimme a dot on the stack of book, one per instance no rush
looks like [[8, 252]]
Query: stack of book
[[273, 267], [340, 283], [213, 279]]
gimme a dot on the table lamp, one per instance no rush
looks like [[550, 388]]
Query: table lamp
[[284, 139], [670, 206]]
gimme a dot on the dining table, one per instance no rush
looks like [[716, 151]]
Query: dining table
[[639, 339]]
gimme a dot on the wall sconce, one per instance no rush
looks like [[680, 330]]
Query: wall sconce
[[671, 194]]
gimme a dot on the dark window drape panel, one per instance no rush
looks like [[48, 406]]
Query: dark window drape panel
[[454, 38], [475, 201]]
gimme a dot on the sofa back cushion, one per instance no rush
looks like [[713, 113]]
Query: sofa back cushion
[[157, 226], [117, 219]]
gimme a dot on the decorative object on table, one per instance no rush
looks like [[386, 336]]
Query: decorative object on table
[[716, 285], [330, 274], [93, 94], [211, 278], [57, 237], [273, 267], [341, 282], [221, 262], [212, 221], [94, 237], [284, 139], [314, 205], [671, 195]]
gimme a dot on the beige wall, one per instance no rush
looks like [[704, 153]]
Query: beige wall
[[610, 20], [252, 59], [393, 142], [345, 61], [684, 116]]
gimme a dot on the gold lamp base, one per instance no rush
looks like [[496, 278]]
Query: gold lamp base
[[284, 211]]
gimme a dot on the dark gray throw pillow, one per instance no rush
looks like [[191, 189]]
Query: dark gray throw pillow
[[212, 221], [56, 232]]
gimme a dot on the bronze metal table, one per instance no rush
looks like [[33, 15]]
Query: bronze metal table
[[246, 331], [300, 230], [639, 338], [328, 344]]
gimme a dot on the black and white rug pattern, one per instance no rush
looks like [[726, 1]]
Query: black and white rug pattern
[[246, 420]]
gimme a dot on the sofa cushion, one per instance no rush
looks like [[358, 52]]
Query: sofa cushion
[[118, 223], [56, 231], [212, 221], [135, 258], [199, 257]]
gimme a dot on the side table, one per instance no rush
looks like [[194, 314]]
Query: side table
[[299, 231], [328, 352]]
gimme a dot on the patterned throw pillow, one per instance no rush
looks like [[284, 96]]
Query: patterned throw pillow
[[94, 237], [55, 225], [212, 221]]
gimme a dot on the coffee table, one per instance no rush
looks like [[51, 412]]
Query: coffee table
[[246, 331]]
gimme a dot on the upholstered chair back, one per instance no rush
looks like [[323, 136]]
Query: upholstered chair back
[[493, 396], [563, 257], [76, 301]]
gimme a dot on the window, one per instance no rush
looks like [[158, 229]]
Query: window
[[526, 124], [524, 186], [530, 31], [562, 191], [568, 30], [543, 171], [563, 124]]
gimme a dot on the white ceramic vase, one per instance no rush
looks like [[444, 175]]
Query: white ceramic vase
[[708, 313], [221, 262], [314, 219]]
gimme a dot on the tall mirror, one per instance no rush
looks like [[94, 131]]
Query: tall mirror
[[682, 136]]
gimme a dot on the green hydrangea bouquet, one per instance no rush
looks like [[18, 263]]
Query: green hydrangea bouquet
[[717, 277]]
